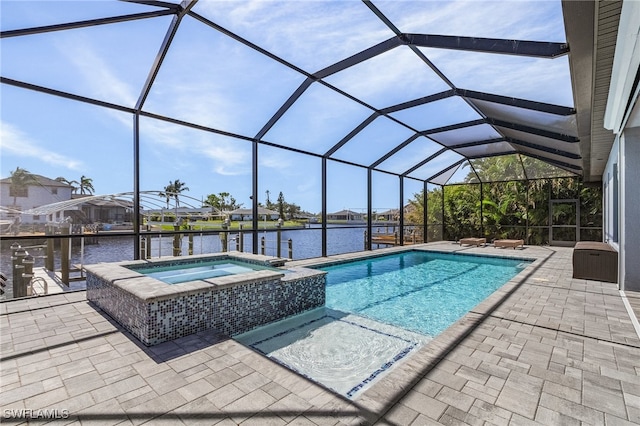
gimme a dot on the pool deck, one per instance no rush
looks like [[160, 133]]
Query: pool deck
[[545, 349]]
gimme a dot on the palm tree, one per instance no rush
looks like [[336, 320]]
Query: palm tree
[[71, 183], [178, 188], [85, 185], [20, 180], [167, 193], [280, 204]]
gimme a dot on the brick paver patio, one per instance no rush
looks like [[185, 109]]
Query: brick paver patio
[[545, 349]]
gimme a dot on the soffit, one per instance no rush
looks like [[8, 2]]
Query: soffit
[[608, 17]]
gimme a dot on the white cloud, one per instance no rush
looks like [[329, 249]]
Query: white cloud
[[99, 77], [523, 20], [227, 160], [390, 78], [99, 80], [542, 80], [187, 147], [205, 104], [309, 184], [212, 80], [310, 34], [16, 142], [275, 159]]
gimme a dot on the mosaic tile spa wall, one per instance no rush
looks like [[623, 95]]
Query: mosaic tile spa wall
[[230, 309]]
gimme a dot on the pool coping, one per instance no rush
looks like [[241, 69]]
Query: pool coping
[[353, 257], [150, 289]]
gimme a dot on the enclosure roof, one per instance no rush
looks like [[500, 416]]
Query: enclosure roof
[[149, 202], [382, 85]]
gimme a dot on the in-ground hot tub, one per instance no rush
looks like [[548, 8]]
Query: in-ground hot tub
[[161, 300]]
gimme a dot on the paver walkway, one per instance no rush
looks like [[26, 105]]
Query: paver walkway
[[544, 349]]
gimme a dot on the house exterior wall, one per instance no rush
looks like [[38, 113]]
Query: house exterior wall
[[630, 209], [622, 200], [345, 216], [244, 217], [37, 195]]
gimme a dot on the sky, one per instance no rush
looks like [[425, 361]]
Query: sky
[[212, 80]]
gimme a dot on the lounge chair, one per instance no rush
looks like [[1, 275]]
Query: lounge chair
[[508, 243], [473, 241]]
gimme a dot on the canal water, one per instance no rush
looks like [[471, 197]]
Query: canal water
[[306, 243]]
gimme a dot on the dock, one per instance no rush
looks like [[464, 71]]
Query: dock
[[393, 239], [46, 282]]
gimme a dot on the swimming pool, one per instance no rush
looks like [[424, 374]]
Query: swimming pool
[[377, 312], [424, 292]]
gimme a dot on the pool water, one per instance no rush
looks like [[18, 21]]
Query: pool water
[[377, 312], [424, 292], [175, 274], [344, 352]]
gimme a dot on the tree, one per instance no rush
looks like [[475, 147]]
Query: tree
[[461, 211], [20, 180], [167, 193], [415, 215], [86, 184], [173, 190], [268, 201], [222, 201], [71, 183], [293, 209], [511, 206], [281, 205], [178, 188]]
